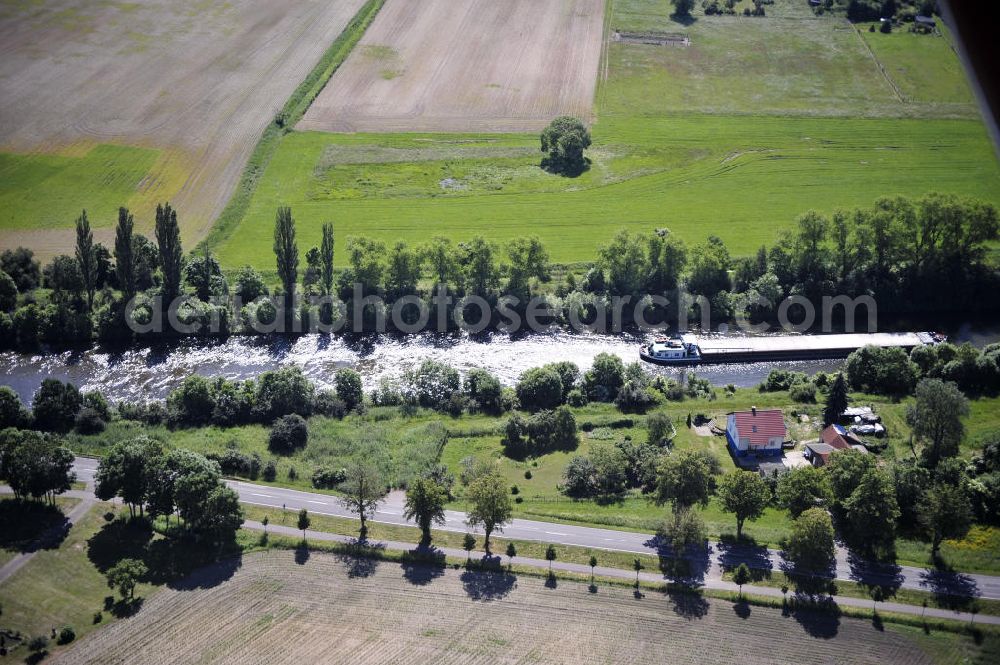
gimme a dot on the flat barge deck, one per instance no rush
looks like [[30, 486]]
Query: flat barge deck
[[691, 349]]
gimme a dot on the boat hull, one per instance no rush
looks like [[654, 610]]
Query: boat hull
[[669, 362]]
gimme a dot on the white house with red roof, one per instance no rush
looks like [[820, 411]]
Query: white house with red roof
[[756, 432]]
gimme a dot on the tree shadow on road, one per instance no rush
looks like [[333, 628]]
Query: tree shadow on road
[[887, 577], [423, 565], [29, 526], [688, 567], [951, 589], [733, 552]]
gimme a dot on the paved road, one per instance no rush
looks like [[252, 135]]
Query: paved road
[[707, 569]]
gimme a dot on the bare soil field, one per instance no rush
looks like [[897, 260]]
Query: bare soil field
[[195, 80], [466, 65], [284, 607]]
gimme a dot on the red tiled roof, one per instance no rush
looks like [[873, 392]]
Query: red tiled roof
[[831, 437], [761, 427]]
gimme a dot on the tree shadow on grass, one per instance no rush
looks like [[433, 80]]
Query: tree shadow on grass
[[688, 603], [29, 526], [423, 565], [687, 20], [178, 561], [361, 558], [487, 582], [556, 167]]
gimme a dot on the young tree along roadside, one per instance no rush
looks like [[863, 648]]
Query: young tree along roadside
[[425, 501], [491, 504], [363, 491]]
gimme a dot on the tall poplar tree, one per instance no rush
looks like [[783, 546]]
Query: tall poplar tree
[[326, 252], [86, 258], [286, 254], [168, 240], [125, 253]]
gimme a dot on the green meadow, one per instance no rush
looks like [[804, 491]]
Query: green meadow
[[745, 179], [757, 121], [48, 191]]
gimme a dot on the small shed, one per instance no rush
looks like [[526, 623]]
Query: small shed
[[818, 453], [926, 21]]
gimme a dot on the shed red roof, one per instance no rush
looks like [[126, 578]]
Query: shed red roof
[[761, 426], [834, 437]]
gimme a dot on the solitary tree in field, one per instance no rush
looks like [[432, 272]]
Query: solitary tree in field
[[564, 140], [550, 556], [593, 564], [745, 494], [363, 490], [124, 575], [741, 576], [304, 522], [682, 8], [124, 253], [936, 418], [469, 544], [637, 565], [86, 258], [491, 504], [511, 553], [168, 241], [836, 401], [286, 254], [326, 255], [425, 501], [265, 522]]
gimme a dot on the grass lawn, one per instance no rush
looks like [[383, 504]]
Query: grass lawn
[[60, 587]]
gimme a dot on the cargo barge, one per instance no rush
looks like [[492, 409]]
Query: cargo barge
[[693, 350]]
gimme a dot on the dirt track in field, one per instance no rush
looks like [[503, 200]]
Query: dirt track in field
[[466, 65], [337, 610], [197, 79]]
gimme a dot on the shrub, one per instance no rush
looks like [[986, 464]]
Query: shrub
[[527, 474], [484, 391], [349, 390], [329, 405], [89, 421], [270, 473], [576, 398], [634, 398], [804, 393], [288, 434], [539, 389], [660, 428], [66, 635], [292, 473], [326, 478]]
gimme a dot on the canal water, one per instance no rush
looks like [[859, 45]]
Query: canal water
[[150, 372]]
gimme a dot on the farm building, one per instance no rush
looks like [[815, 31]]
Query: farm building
[[756, 432], [818, 453], [838, 438]]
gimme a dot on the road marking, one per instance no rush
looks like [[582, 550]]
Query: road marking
[[322, 503], [556, 533], [269, 496]]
